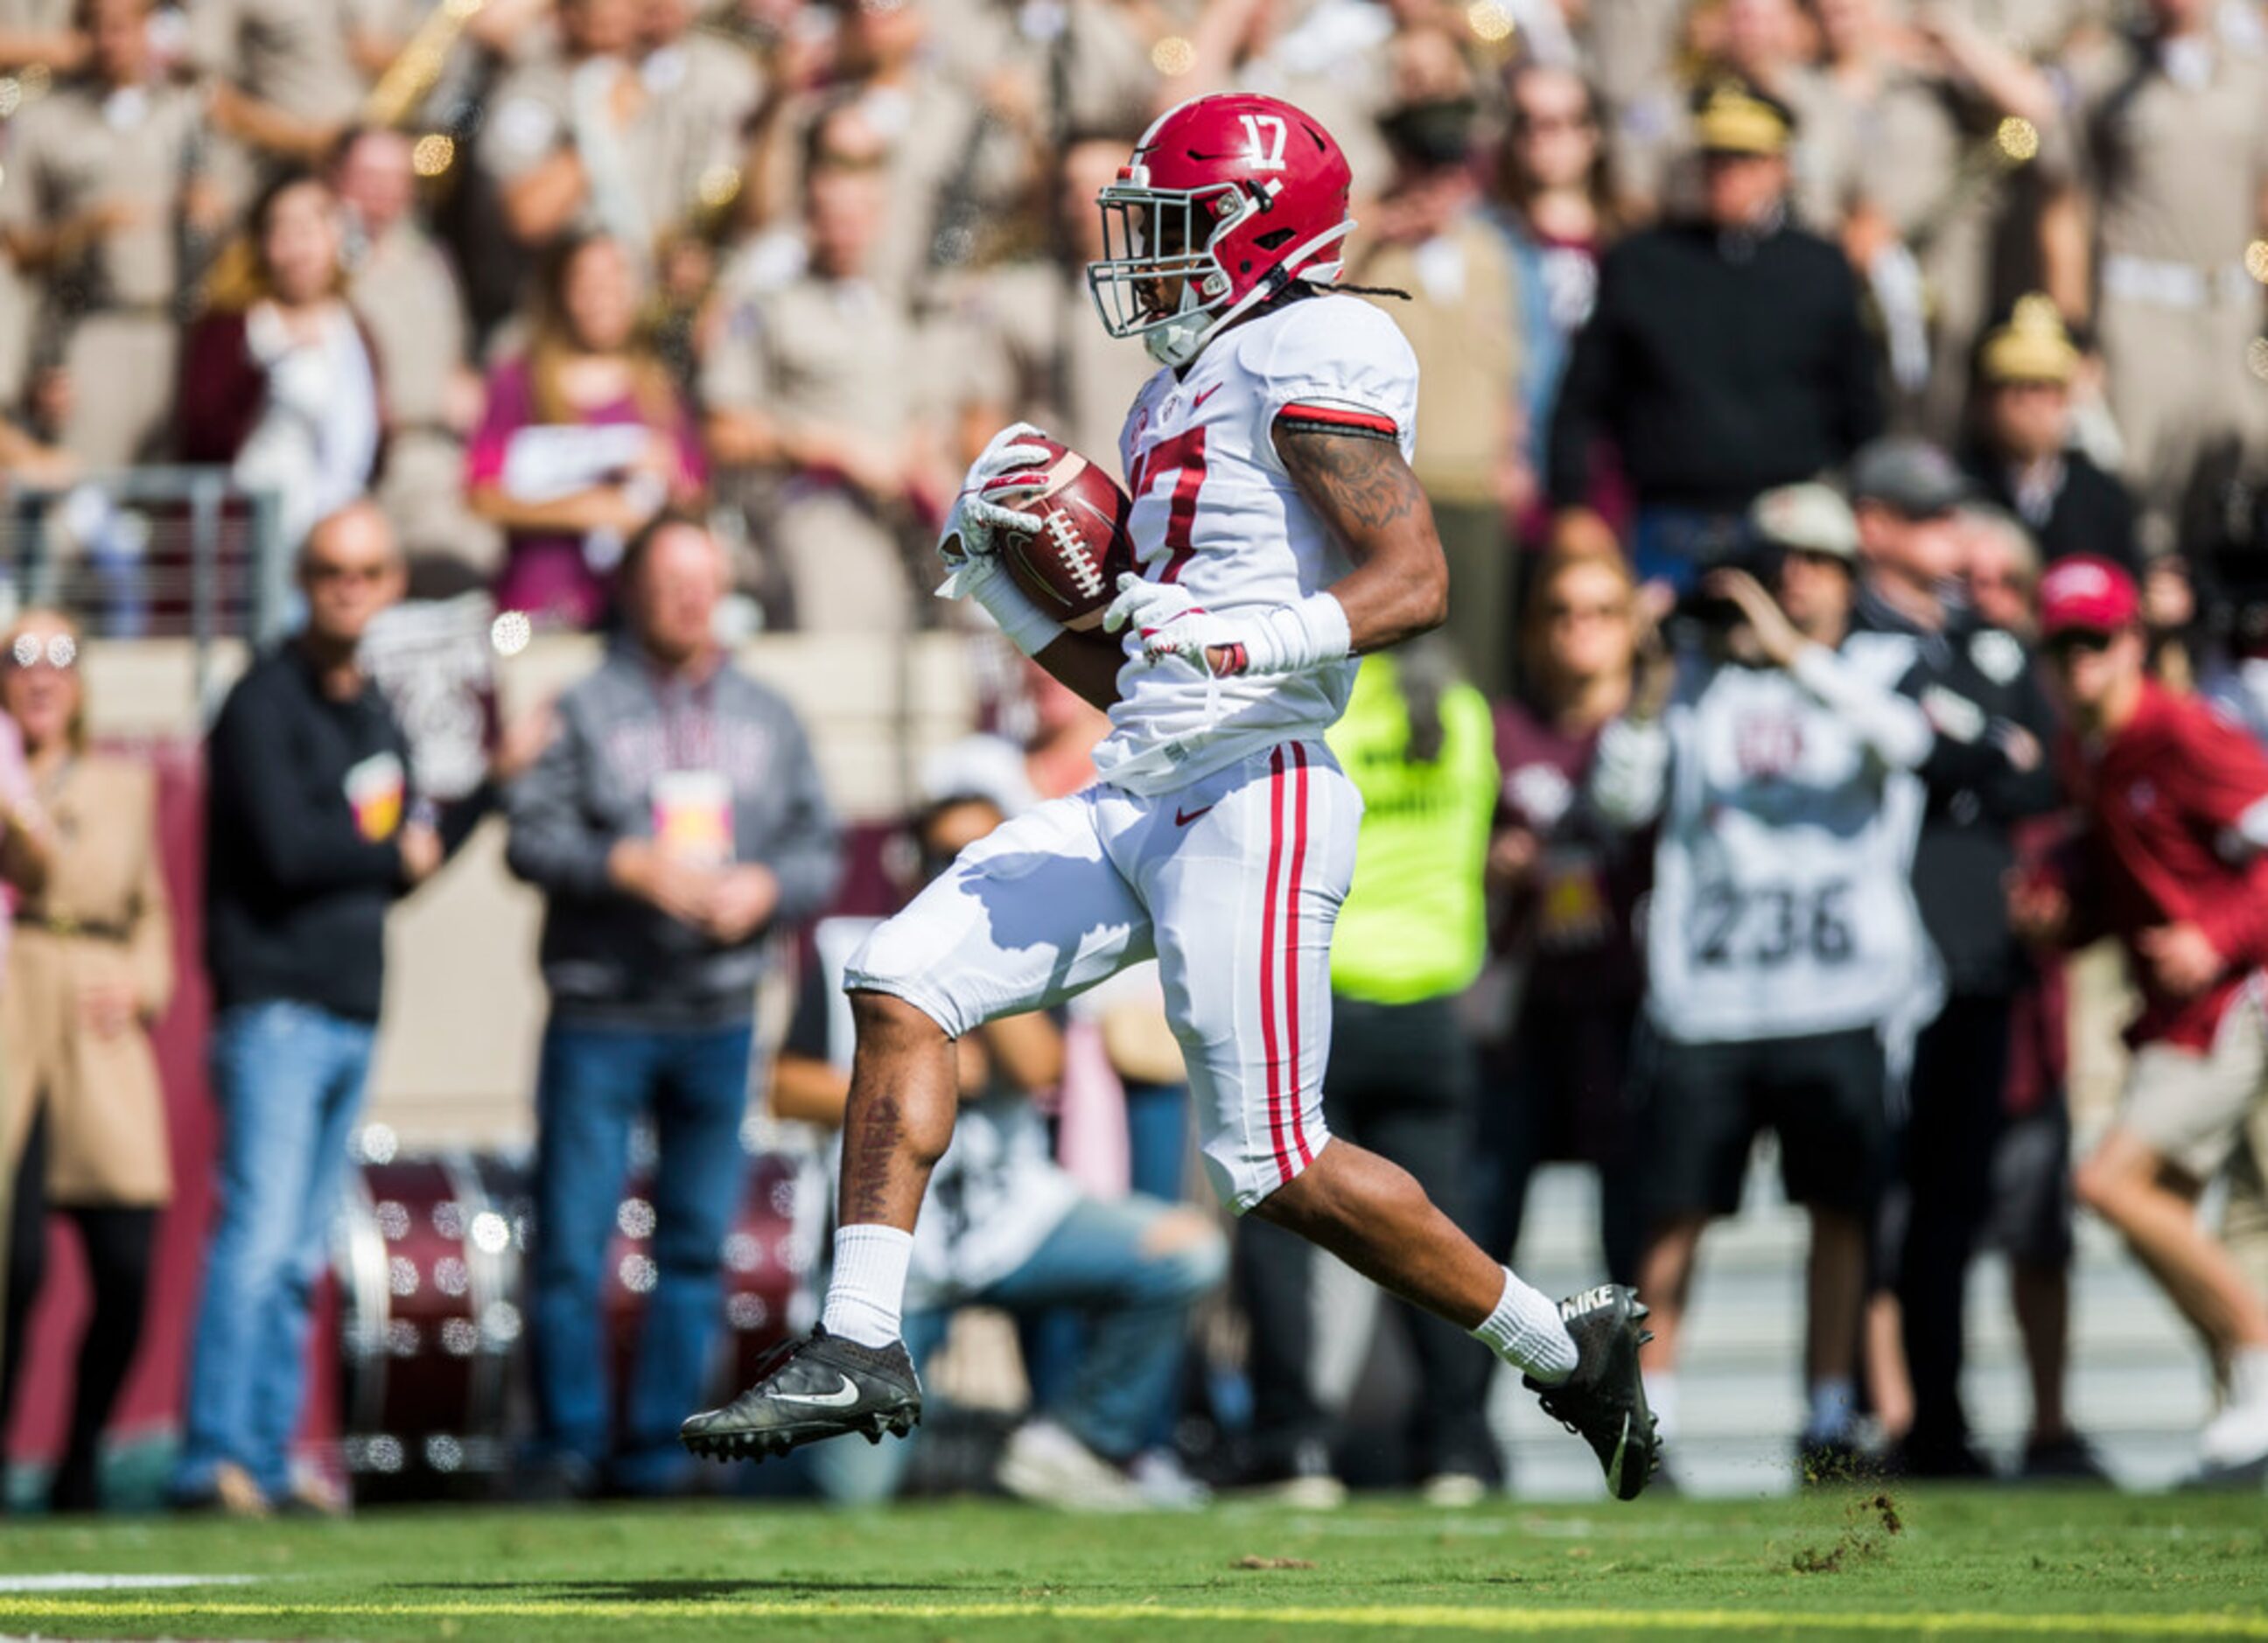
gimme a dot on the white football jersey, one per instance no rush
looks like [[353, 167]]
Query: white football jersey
[[1215, 512], [1783, 901]]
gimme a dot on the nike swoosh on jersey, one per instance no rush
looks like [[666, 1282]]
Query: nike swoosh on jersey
[[1182, 818], [843, 1397], [1199, 399]]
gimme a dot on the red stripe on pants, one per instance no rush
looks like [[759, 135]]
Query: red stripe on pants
[[1268, 1039], [1291, 946]]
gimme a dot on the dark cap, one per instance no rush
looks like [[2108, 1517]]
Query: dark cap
[[1910, 475]]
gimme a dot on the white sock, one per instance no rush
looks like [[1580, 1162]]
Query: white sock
[[1662, 1399], [1526, 1332], [866, 1291], [2248, 1375], [1834, 1405]]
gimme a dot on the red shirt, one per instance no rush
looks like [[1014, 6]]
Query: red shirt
[[2158, 798]]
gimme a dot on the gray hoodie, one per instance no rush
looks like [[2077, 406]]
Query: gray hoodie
[[608, 959]]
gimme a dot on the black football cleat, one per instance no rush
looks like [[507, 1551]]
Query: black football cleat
[[819, 1387], [1603, 1403]]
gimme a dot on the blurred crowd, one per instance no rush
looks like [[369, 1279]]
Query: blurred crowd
[[1847, 422]]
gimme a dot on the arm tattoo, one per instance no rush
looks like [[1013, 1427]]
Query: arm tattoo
[[1358, 482]]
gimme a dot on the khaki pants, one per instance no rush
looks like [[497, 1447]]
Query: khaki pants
[[2194, 1108], [847, 571], [2181, 391], [122, 369]]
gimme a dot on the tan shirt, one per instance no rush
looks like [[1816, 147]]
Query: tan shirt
[[825, 352], [949, 170], [2176, 173], [293, 54], [532, 116], [103, 918], [406, 295], [1459, 321], [86, 146]]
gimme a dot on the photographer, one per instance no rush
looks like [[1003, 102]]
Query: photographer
[[1780, 760]]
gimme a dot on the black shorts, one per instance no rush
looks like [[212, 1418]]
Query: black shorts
[[2031, 1214], [1823, 1095]]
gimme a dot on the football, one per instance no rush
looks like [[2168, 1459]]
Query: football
[[1069, 567]]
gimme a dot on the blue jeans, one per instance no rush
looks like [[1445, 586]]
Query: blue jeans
[[1672, 544], [1138, 1302], [594, 1085], [288, 1079], [1158, 1163]]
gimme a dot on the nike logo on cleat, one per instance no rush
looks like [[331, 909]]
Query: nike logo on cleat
[[843, 1397]]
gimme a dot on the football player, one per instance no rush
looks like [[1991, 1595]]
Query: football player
[[1279, 534]]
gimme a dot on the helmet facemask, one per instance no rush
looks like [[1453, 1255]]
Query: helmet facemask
[[1154, 237]]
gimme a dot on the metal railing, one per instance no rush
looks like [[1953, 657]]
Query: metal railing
[[160, 552]]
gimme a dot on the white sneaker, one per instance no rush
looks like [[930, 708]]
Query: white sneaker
[[1454, 1491], [1166, 1484], [2237, 1436], [1044, 1462]]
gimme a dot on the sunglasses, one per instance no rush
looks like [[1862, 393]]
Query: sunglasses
[[28, 652], [2078, 642], [331, 571]]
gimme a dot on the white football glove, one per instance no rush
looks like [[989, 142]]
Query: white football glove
[[1282, 639], [1008, 470]]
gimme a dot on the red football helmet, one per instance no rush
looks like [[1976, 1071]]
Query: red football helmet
[[1232, 195]]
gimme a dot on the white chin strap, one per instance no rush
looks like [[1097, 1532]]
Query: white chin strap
[[1181, 339]]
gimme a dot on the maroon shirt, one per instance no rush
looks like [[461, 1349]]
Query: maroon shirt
[[1574, 924], [2158, 799]]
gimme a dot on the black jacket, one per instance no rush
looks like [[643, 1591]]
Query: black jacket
[[304, 799], [1720, 365], [2091, 513], [1973, 682]]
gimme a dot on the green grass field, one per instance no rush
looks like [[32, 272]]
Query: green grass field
[[1978, 1563]]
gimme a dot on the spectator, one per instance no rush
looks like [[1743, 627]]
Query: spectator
[[90, 968], [312, 833], [2000, 576], [2175, 815], [1556, 210], [93, 207], [1925, 94], [281, 74], [2024, 457], [583, 439], [1401, 1081], [407, 294], [825, 388], [1013, 1231], [1726, 354], [2169, 143], [675, 823], [575, 140], [1566, 888], [1770, 44], [1989, 774], [283, 387], [957, 162], [1782, 939], [1427, 236]]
